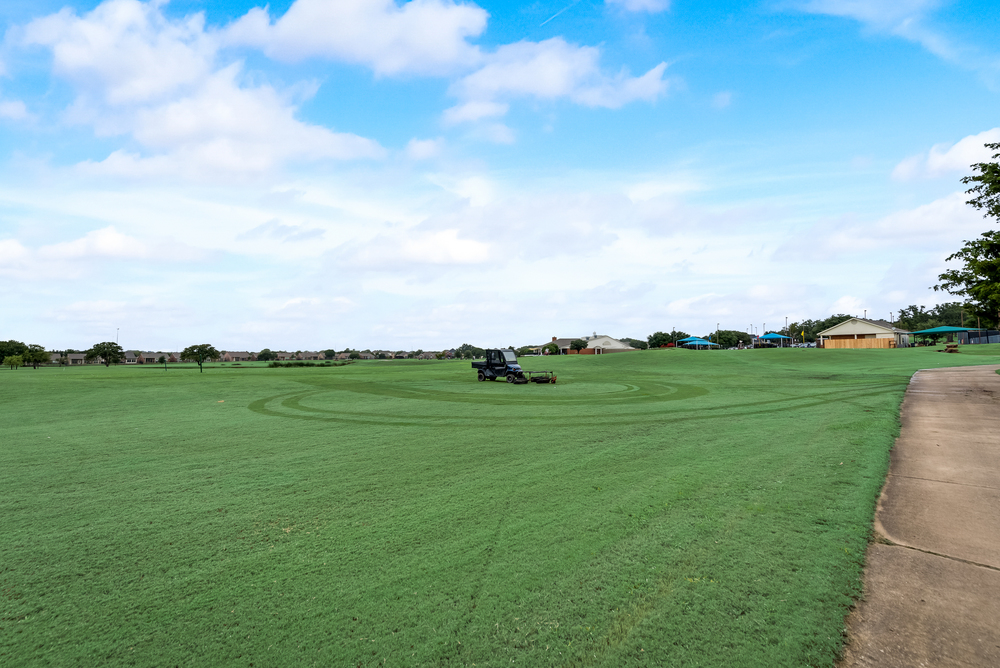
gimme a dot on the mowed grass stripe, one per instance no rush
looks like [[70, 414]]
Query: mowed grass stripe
[[422, 518]]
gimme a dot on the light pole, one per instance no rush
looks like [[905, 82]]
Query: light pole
[[116, 335]]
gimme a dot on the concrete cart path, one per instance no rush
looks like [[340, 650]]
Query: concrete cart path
[[932, 588]]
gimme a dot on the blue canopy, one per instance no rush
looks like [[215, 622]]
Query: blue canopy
[[772, 336], [945, 330], [695, 341], [690, 338]]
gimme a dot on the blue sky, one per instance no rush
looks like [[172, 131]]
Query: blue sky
[[365, 173]]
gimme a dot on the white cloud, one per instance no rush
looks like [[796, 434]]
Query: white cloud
[[498, 133], [882, 13], [906, 19], [100, 318], [946, 158], [478, 190], [14, 110], [404, 249], [848, 304], [88, 255], [125, 51], [241, 129], [722, 100], [424, 149], [426, 36], [651, 6], [106, 242], [141, 74], [549, 70], [647, 190], [941, 224], [12, 257], [275, 230], [474, 111]]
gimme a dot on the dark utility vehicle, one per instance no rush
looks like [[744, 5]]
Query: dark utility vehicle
[[503, 364]]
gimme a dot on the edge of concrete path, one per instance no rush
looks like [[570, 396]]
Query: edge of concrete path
[[887, 624]]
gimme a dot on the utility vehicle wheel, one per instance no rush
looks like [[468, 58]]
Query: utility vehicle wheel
[[510, 378], [482, 376]]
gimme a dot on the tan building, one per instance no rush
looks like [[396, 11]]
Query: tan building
[[596, 345], [862, 333]]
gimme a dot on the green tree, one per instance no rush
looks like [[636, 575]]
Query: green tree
[[35, 355], [659, 339], [162, 359], [978, 279], [812, 328], [577, 344], [109, 351], [13, 361], [635, 343], [727, 338], [12, 347], [525, 350], [265, 355], [354, 355], [550, 348], [468, 351], [914, 318], [199, 354], [329, 354], [987, 189]]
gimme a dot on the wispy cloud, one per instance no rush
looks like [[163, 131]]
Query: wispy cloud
[[273, 229], [549, 70], [947, 159], [911, 20], [650, 6]]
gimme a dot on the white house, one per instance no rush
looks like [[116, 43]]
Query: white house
[[606, 344], [596, 345]]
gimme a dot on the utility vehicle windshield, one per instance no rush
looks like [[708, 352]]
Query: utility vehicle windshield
[[509, 355]]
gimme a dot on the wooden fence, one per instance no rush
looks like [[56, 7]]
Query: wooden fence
[[859, 343]]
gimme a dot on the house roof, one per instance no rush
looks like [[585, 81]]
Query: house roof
[[564, 343], [881, 324]]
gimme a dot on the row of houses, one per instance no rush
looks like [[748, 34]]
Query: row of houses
[[131, 357], [150, 357]]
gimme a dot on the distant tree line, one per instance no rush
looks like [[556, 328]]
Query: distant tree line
[[812, 328]]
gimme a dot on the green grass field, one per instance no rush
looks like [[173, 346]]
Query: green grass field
[[662, 508]]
